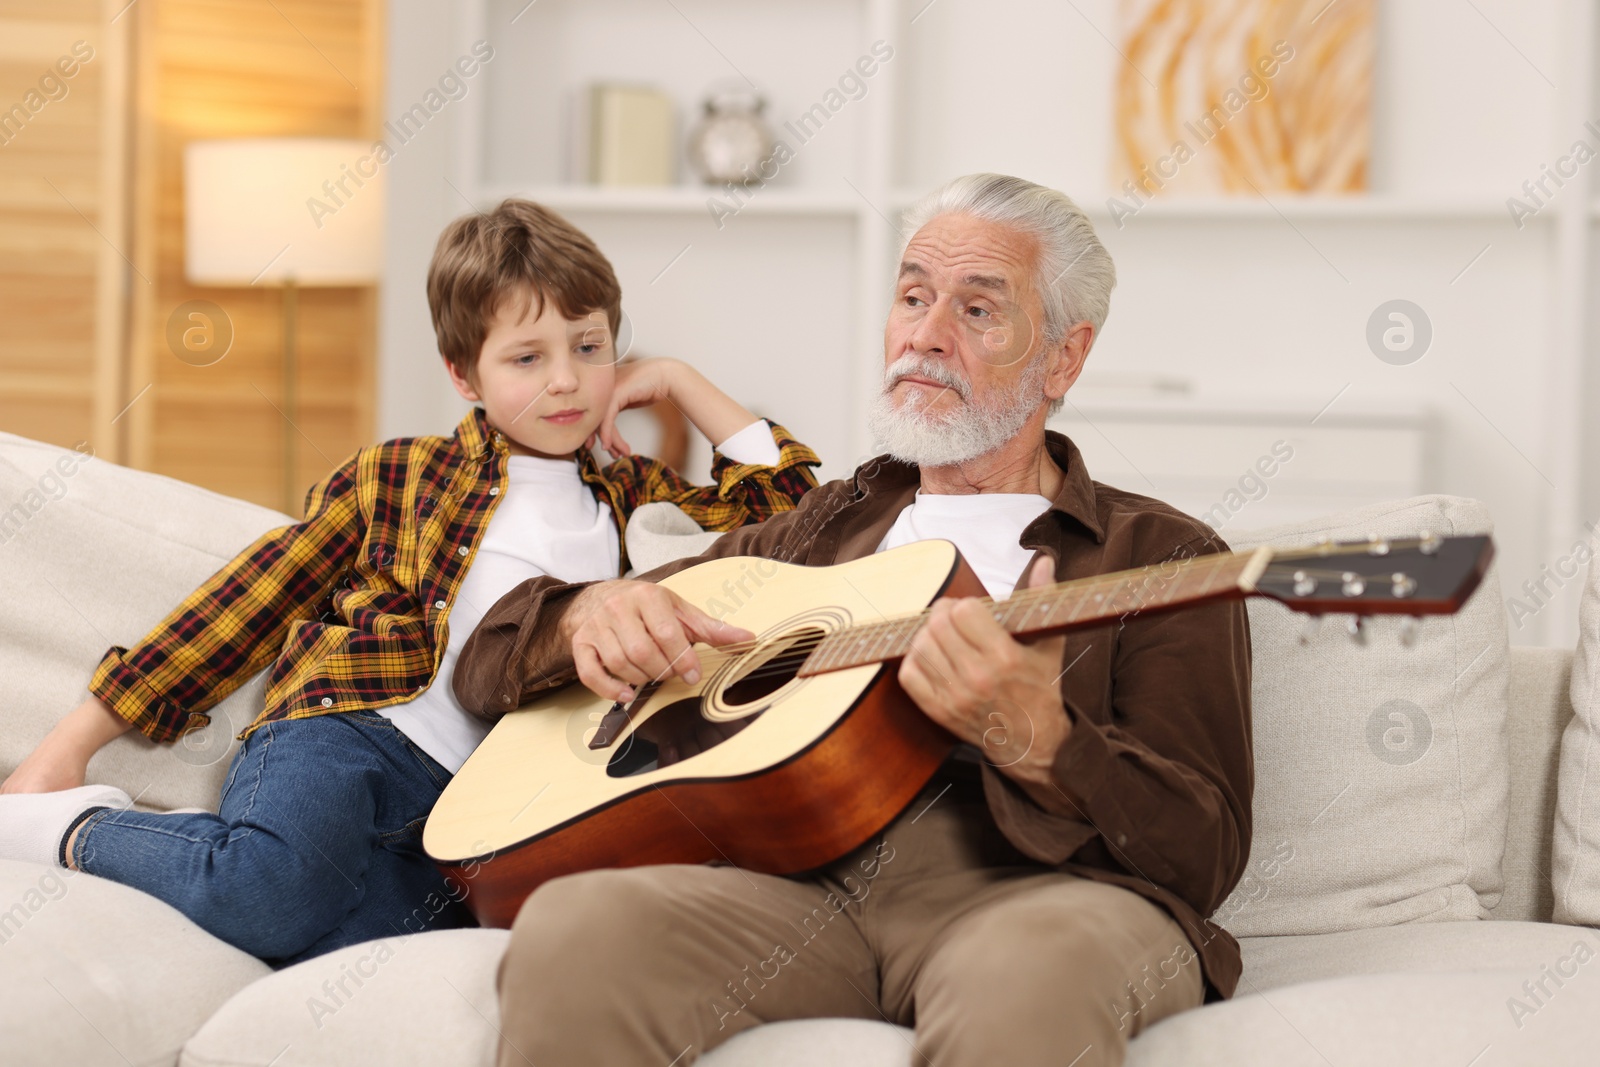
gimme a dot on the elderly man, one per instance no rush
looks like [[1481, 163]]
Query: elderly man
[[1045, 898]]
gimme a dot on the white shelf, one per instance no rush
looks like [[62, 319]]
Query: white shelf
[[1370, 207], [676, 199], [777, 200], [1376, 207], [1113, 404]]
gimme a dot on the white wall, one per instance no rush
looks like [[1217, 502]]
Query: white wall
[[1261, 304], [414, 394]]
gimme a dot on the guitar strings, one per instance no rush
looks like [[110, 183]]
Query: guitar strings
[[715, 657], [873, 630], [877, 626]]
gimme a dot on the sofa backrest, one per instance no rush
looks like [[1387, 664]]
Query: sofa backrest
[[92, 555], [1540, 709], [100, 552]]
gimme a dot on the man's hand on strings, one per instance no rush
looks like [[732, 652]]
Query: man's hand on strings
[[625, 634]]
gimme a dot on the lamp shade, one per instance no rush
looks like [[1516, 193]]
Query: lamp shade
[[267, 211]]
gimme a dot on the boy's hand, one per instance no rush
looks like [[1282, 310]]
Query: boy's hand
[[649, 381], [45, 772], [626, 633], [62, 759], [639, 384]]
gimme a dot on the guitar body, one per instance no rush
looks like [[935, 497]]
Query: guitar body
[[752, 766]]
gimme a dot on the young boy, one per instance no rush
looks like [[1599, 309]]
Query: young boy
[[361, 609]]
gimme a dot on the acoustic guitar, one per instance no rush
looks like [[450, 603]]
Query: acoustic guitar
[[796, 747]]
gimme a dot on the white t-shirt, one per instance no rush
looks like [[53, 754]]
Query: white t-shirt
[[548, 521], [986, 527]]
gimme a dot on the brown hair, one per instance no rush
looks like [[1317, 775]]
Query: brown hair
[[517, 251]]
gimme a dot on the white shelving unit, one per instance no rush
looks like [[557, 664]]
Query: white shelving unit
[[1234, 294], [870, 197], [671, 200]]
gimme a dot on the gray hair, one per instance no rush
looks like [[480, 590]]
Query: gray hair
[[1074, 274]]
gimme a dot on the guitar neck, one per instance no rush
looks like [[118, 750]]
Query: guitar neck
[[1063, 606]]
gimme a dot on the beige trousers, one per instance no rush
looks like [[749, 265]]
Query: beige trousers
[[937, 924]]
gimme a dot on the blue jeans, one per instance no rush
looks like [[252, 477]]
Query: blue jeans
[[318, 843]]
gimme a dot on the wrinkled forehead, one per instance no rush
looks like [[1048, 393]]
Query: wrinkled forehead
[[959, 251]]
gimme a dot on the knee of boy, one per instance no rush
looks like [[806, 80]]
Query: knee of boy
[[280, 932], [279, 906]]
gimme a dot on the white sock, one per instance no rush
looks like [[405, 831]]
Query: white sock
[[33, 824]]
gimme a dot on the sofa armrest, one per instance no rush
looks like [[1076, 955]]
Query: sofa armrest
[[1540, 709]]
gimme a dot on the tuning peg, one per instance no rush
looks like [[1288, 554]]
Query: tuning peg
[[1428, 542], [1304, 584], [1357, 629], [1409, 625], [1309, 628]]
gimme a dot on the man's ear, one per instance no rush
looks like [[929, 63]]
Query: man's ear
[[462, 382], [1068, 359]]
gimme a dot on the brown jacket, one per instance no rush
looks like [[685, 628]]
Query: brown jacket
[[1160, 746]]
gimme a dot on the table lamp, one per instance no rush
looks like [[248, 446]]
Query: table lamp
[[286, 212]]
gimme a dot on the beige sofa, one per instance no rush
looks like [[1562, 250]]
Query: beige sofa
[[1401, 917]]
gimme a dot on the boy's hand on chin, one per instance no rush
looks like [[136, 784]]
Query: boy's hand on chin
[[649, 381], [639, 384]]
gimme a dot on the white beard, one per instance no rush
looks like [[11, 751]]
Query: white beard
[[908, 433]]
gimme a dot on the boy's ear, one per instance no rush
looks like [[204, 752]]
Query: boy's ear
[[462, 383]]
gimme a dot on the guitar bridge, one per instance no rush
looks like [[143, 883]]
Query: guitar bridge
[[618, 716]]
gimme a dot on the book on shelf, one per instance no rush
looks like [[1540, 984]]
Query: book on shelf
[[631, 136]]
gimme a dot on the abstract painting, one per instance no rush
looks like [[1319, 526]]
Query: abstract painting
[[1243, 96]]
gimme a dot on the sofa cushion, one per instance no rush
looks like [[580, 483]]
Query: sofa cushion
[[1381, 770], [99, 553], [92, 972], [429, 1000], [815, 1042], [1273, 962], [426, 999], [1478, 1019], [1345, 1003], [1576, 845], [661, 533]]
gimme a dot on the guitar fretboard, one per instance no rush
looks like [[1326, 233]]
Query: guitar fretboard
[[1055, 607]]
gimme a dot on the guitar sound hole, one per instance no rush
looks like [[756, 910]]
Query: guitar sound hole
[[680, 730], [768, 677], [672, 735], [636, 756]]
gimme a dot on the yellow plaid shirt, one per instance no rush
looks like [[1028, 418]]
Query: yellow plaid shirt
[[350, 608]]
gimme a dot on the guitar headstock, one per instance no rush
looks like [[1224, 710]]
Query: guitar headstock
[[1423, 575]]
